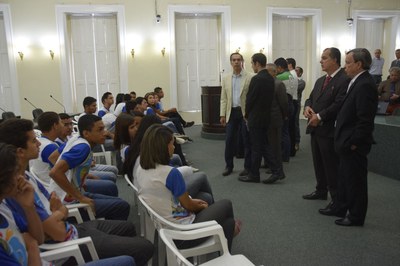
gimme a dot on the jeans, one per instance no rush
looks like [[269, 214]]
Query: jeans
[[198, 187], [110, 208], [104, 187], [120, 261]]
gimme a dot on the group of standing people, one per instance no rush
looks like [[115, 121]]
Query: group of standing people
[[340, 112]]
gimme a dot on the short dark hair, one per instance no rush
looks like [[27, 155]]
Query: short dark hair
[[88, 101], [8, 167], [139, 100], [14, 131], [87, 122], [300, 69], [362, 55], [334, 53], [281, 62], [232, 54], [157, 89], [260, 58], [154, 147], [64, 116], [105, 96], [127, 97], [291, 61], [47, 120], [132, 92], [130, 107]]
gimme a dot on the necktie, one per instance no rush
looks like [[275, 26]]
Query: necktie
[[327, 79]]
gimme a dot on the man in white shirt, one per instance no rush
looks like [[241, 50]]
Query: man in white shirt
[[376, 67]]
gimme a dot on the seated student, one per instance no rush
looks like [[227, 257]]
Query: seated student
[[18, 246], [111, 238], [170, 112], [197, 183], [69, 173], [102, 171], [121, 106], [107, 99], [133, 95], [164, 189], [50, 125], [389, 90]]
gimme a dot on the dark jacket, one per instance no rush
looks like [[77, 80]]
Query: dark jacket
[[259, 100], [327, 102]]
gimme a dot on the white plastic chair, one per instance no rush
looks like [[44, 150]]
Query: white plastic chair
[[72, 243], [106, 154], [154, 222], [179, 257], [63, 253], [140, 208], [73, 211]]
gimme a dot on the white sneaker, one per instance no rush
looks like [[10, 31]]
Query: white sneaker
[[194, 169], [180, 140]]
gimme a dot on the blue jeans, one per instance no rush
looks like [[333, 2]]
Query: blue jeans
[[104, 187], [111, 208]]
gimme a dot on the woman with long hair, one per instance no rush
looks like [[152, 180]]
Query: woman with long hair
[[164, 188]]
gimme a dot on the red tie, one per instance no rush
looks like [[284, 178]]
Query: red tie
[[327, 79]]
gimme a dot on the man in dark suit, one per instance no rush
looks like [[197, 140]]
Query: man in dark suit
[[353, 138], [257, 114], [396, 62], [321, 109]]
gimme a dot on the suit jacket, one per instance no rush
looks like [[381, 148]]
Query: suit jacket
[[395, 63], [259, 100], [384, 91], [279, 107], [326, 103], [226, 93], [355, 120]]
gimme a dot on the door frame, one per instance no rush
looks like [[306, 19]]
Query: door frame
[[62, 11], [5, 9], [223, 11], [316, 22]]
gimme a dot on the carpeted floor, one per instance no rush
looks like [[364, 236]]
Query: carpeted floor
[[280, 228]]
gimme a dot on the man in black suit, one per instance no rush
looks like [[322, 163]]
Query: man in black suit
[[321, 109], [353, 138], [257, 114]]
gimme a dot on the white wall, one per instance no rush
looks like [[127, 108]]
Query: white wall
[[35, 21]]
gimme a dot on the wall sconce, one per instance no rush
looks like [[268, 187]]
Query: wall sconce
[[51, 54], [238, 50], [262, 50], [21, 55], [163, 51], [133, 53]]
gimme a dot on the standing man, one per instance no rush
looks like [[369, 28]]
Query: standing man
[[396, 62], [353, 138], [257, 114], [233, 101], [321, 109], [376, 66]]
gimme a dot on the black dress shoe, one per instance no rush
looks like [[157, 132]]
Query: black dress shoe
[[189, 124], [227, 172], [347, 222], [272, 179], [244, 173], [248, 179], [316, 195], [332, 210]]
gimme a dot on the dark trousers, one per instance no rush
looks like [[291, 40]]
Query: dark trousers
[[222, 212], [176, 115], [110, 208], [115, 238], [273, 156], [353, 187], [286, 146], [235, 129], [292, 127], [326, 164], [377, 78], [258, 144]]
